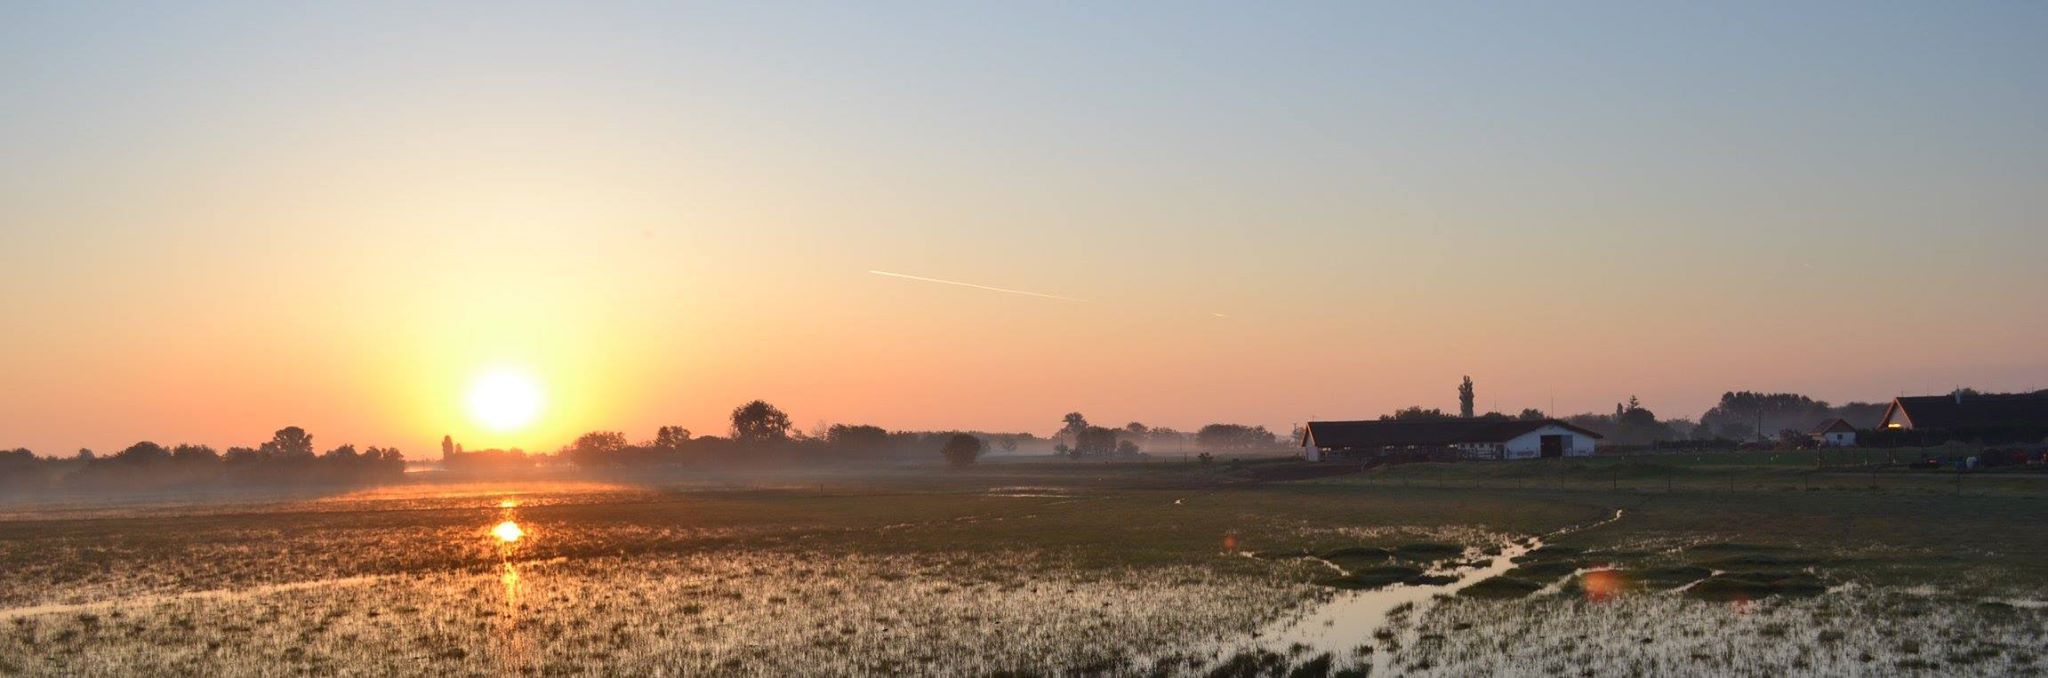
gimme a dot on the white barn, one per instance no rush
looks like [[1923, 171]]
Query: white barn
[[1834, 433], [1463, 438]]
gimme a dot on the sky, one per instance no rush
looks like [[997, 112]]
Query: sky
[[218, 219]]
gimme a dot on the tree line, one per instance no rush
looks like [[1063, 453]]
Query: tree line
[[288, 457], [1739, 416], [759, 433]]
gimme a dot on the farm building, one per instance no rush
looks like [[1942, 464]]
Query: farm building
[[1984, 418], [1834, 433], [1959, 411], [1448, 438]]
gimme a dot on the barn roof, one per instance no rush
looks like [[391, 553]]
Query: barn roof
[[1370, 434], [1833, 426], [1973, 411]]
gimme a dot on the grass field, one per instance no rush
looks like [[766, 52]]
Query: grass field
[[1748, 563]]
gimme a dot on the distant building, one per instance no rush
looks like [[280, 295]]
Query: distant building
[[1964, 412], [1834, 433], [1459, 438]]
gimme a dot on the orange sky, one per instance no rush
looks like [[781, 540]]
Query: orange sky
[[340, 220]]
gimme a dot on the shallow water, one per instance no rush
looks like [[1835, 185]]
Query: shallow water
[[1351, 618]]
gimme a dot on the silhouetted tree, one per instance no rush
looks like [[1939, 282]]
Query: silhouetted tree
[[290, 443], [1744, 414], [143, 454], [344, 454], [671, 437], [1095, 441], [1532, 414], [1075, 424], [1234, 436], [1465, 397], [1127, 448], [961, 449], [1416, 413], [447, 447], [859, 440], [758, 423], [597, 448], [194, 454]]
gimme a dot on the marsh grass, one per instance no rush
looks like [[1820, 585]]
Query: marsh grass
[[1099, 570]]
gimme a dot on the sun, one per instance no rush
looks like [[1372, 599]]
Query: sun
[[504, 400]]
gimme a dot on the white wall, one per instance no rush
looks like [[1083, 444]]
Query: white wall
[[1841, 438], [1530, 445]]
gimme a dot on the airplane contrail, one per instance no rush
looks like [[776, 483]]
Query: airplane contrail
[[978, 287]]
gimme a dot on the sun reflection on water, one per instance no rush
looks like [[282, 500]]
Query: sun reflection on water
[[508, 532]]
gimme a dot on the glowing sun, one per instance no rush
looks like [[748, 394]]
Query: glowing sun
[[504, 400]]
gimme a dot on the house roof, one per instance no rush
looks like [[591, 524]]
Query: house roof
[[1371, 434], [1973, 411], [1833, 426]]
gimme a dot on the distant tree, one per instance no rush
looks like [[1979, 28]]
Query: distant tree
[[859, 439], [1465, 397], [345, 453], [1417, 413], [143, 454], [600, 442], [1075, 424], [1634, 424], [1744, 414], [1126, 448], [290, 443], [242, 455], [1095, 441], [447, 447], [1495, 416], [1234, 437], [1136, 428], [758, 423], [1532, 414], [671, 437], [85, 454], [1062, 449], [961, 449], [194, 454], [1702, 431]]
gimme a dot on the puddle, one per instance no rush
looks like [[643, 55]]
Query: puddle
[[1351, 619]]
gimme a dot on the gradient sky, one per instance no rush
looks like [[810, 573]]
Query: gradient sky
[[219, 219]]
